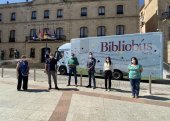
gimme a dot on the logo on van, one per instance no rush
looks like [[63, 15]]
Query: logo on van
[[123, 46]]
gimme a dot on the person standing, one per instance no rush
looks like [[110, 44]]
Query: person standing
[[73, 63], [22, 69], [108, 73], [135, 70], [50, 69], [91, 70]]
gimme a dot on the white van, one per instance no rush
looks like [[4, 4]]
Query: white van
[[148, 48]]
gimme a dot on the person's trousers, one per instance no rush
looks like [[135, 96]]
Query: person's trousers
[[53, 74], [135, 86], [23, 79], [74, 71], [92, 76], [108, 77]]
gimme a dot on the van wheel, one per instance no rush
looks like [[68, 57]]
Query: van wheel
[[63, 70], [117, 75]]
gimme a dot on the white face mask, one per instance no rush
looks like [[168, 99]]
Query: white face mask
[[51, 56], [90, 56]]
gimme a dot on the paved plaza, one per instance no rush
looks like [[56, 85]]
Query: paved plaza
[[80, 103]]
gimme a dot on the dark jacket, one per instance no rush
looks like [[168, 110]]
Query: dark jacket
[[91, 64]]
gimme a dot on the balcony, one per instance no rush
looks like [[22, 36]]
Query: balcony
[[11, 39], [51, 39], [166, 15]]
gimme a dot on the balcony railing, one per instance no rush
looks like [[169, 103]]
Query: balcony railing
[[166, 15], [11, 39], [46, 39]]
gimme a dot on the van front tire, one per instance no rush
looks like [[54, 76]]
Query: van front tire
[[63, 70]]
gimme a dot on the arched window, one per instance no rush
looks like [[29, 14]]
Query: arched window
[[59, 33], [83, 32], [120, 29], [12, 36], [101, 31]]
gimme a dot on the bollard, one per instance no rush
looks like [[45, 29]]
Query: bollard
[[2, 72], [150, 85], [34, 74], [80, 79]]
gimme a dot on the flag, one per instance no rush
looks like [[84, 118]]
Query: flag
[[45, 36], [41, 34]]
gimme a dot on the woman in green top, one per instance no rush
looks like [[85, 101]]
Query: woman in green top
[[135, 76]]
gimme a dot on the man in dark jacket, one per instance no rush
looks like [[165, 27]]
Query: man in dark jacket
[[91, 70], [50, 69]]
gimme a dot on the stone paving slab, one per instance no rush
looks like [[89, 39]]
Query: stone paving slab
[[88, 108]]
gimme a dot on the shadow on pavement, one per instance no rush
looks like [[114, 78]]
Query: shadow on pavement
[[155, 97], [37, 90], [68, 89], [120, 90]]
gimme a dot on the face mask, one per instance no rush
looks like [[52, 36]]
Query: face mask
[[90, 56], [51, 56]]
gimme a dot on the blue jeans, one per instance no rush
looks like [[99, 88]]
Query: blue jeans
[[74, 71], [135, 86]]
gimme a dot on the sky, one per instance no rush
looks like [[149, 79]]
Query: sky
[[13, 1]]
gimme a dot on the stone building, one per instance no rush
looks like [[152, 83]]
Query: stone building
[[155, 16], [31, 28]]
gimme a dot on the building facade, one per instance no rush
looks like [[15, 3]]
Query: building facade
[[32, 28], [155, 16]]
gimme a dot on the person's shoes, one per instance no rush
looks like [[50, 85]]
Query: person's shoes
[[49, 88], [76, 85], [89, 86], [94, 87], [108, 90], [56, 88], [133, 96], [105, 90], [18, 89], [137, 96], [68, 84]]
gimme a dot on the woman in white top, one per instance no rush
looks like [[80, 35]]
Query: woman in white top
[[107, 72]]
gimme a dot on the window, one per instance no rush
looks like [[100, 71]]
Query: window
[[101, 31], [46, 14], [59, 13], [169, 32], [59, 34], [119, 9], [33, 15], [0, 17], [13, 16], [83, 32], [169, 11], [32, 53], [0, 35], [120, 29], [12, 36], [33, 34], [84, 11], [101, 10]]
